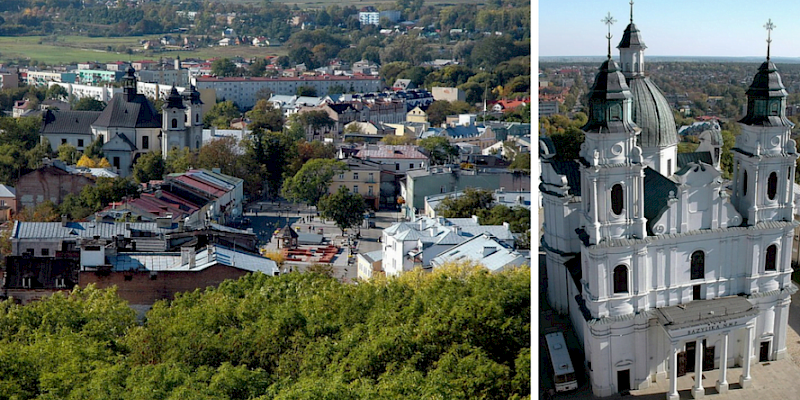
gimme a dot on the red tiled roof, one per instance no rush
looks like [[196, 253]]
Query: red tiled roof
[[199, 185]]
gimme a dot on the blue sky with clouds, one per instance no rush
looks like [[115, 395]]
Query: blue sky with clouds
[[730, 28]]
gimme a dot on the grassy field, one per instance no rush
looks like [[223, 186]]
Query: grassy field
[[69, 49]]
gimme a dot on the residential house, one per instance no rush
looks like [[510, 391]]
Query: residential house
[[363, 177], [8, 202], [485, 250], [419, 183], [53, 181], [408, 245], [369, 264], [402, 157], [418, 114]]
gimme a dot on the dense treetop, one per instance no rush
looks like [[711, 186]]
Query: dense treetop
[[456, 333]]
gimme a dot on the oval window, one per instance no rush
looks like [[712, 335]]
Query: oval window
[[772, 185], [616, 199]]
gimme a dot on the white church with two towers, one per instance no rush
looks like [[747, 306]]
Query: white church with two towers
[[664, 267]]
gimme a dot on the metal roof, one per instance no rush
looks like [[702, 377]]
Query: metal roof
[[137, 113], [705, 311], [631, 38], [55, 230], [204, 258], [657, 188], [483, 249], [68, 122], [395, 152], [7, 191], [652, 113]]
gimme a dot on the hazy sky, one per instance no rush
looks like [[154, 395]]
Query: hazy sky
[[733, 28]]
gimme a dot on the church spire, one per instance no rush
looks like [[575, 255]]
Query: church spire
[[769, 26], [609, 20], [631, 11]]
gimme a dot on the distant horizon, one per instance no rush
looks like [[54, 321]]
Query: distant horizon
[[691, 29]]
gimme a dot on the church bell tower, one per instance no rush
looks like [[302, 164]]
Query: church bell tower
[[765, 154], [612, 172]]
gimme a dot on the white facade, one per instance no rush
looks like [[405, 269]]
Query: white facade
[[243, 91], [408, 245], [648, 243]]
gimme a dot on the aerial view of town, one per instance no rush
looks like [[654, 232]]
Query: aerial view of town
[[266, 199], [669, 202]]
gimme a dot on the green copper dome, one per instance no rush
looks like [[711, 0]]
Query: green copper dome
[[652, 113]]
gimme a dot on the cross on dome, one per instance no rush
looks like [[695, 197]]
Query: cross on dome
[[769, 26], [631, 11], [609, 20]]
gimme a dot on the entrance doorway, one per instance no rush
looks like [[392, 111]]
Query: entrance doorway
[[708, 357], [691, 348], [763, 355], [624, 380]]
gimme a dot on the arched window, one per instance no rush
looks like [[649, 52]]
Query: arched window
[[698, 265], [185, 118], [197, 118], [744, 183], [174, 122], [772, 185], [774, 106], [772, 258], [621, 279], [616, 199], [615, 112]]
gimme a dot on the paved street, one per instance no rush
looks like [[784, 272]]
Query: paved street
[[771, 380], [266, 217]]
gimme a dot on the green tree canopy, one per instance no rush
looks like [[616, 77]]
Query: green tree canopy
[[265, 116], [311, 182], [221, 115], [306, 91], [224, 67], [440, 150], [345, 208], [89, 104], [469, 203], [68, 153], [150, 166]]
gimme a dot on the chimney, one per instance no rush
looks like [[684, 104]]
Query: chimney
[[188, 256], [180, 225], [63, 220]]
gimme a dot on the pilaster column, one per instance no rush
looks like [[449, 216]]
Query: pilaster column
[[673, 373], [722, 382], [698, 391], [745, 380]]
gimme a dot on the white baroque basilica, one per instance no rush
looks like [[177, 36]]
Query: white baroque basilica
[[664, 267]]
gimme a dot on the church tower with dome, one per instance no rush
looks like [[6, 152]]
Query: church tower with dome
[[664, 267], [651, 111]]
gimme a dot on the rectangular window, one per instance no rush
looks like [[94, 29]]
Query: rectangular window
[[80, 142], [341, 176], [145, 142], [355, 176], [355, 188], [411, 166], [63, 141], [61, 283], [371, 177], [45, 252], [397, 166], [116, 162], [26, 282], [29, 251], [369, 190]]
